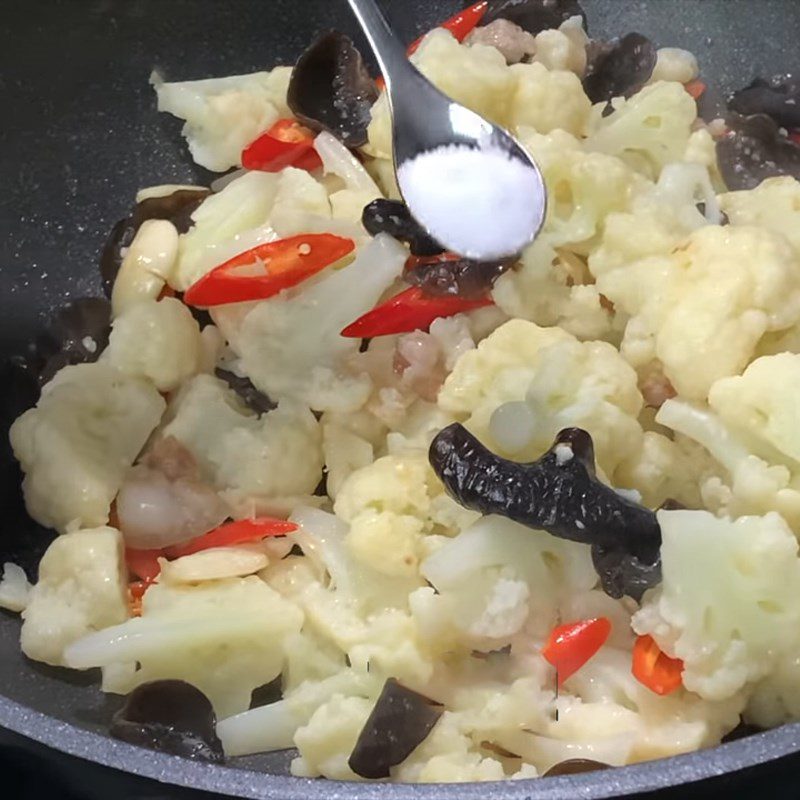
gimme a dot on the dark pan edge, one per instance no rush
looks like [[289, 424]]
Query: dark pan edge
[[236, 782]]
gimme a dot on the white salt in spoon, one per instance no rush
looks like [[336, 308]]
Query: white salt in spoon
[[466, 181]]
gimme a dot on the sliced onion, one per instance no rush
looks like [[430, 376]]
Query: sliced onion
[[337, 159]]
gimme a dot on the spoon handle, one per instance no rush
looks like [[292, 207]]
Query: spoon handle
[[390, 53]]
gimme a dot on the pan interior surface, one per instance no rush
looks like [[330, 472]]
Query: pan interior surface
[[82, 135]]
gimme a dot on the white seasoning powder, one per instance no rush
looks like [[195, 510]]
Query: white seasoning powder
[[481, 204]]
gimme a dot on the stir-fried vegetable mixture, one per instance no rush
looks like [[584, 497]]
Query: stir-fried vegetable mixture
[[322, 485]]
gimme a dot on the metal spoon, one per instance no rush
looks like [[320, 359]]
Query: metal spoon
[[424, 120]]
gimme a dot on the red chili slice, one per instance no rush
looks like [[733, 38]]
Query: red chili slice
[[268, 269], [570, 646], [286, 144], [144, 563], [233, 533], [408, 311], [654, 668]]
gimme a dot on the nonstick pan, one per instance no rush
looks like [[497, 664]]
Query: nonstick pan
[[80, 134]]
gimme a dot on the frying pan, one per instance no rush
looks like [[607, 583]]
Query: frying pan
[[80, 134]]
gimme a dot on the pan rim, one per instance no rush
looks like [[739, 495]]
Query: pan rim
[[723, 760]]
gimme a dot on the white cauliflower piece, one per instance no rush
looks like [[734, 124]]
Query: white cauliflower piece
[[148, 264], [82, 587], [756, 487], [604, 702], [727, 602], [14, 588], [703, 309], [290, 345], [345, 452], [660, 218], [774, 204], [478, 574], [159, 341], [675, 64], [649, 130], [391, 506], [584, 186], [274, 455], [553, 381], [225, 224], [359, 187], [543, 290], [299, 194], [224, 115], [476, 77], [327, 739], [565, 48], [76, 446], [545, 100], [760, 405], [226, 637], [448, 755]]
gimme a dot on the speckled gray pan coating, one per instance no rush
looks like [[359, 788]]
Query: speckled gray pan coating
[[80, 133]]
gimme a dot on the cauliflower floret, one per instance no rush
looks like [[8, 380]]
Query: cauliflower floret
[[274, 455], [756, 487], [543, 291], [345, 452], [604, 703], [226, 637], [702, 310], [82, 588], [478, 574], [545, 100], [223, 115], [225, 224], [290, 345], [565, 48], [391, 506], [583, 186], [660, 219], [675, 64], [563, 382], [760, 405], [327, 739], [727, 602], [447, 755], [774, 205], [159, 341], [77, 444], [649, 130], [298, 194], [148, 264], [476, 77], [15, 590]]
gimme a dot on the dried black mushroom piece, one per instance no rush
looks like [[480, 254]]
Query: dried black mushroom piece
[[78, 335], [460, 277], [533, 16], [400, 721], [267, 694], [331, 89], [778, 98], [559, 493], [171, 716], [394, 218], [619, 68], [177, 207], [254, 399], [575, 766], [754, 149], [624, 574]]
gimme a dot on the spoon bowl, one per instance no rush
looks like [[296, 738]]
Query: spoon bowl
[[467, 181]]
